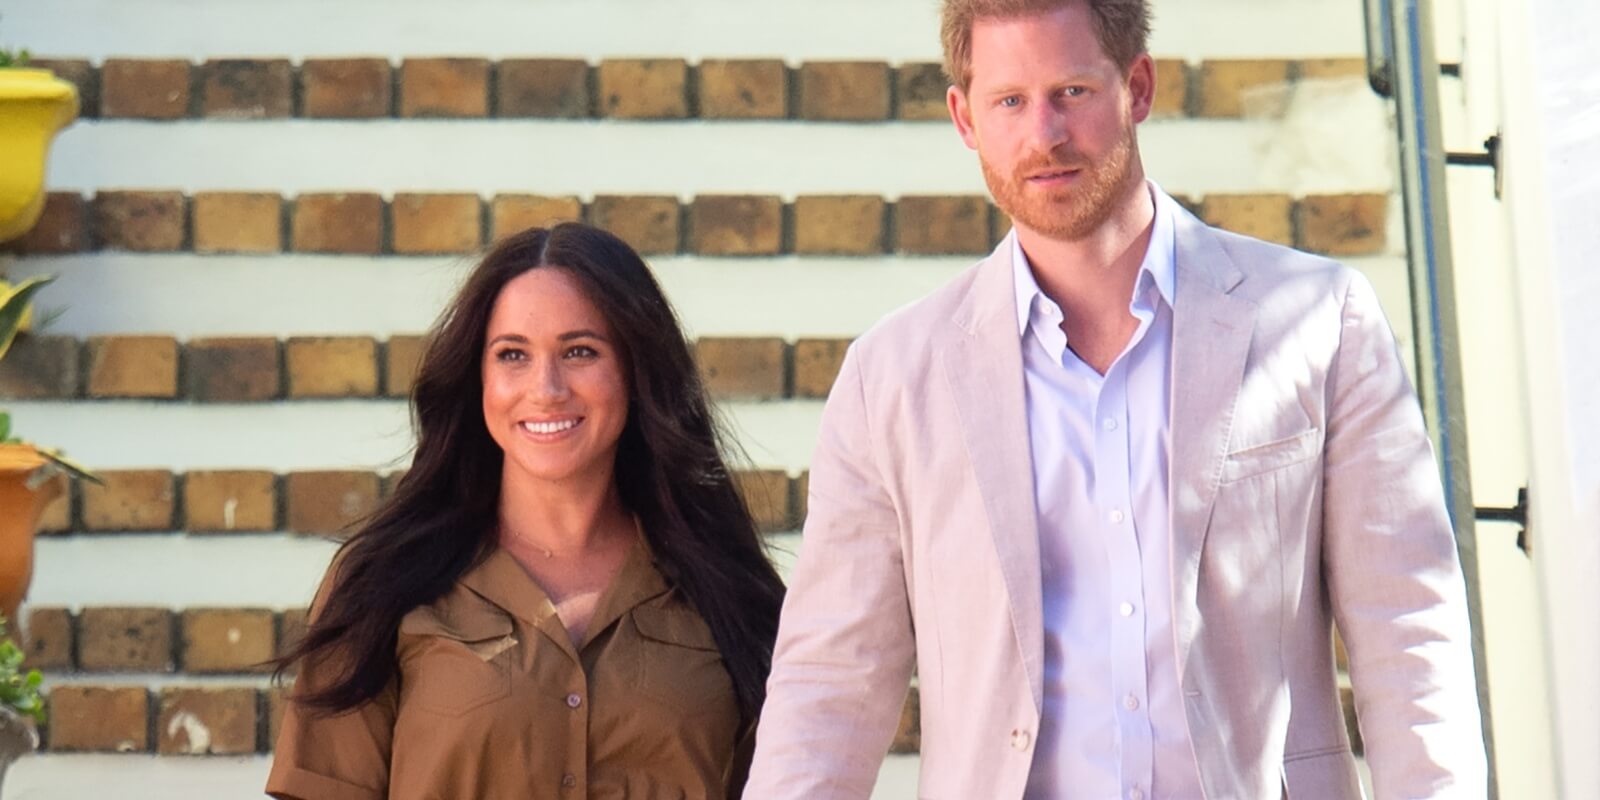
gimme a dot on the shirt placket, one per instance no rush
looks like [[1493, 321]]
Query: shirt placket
[[574, 779], [1113, 493]]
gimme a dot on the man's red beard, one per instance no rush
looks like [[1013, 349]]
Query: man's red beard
[[1068, 213]]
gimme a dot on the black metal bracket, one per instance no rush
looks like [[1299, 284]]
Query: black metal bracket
[[1490, 157], [1517, 513]]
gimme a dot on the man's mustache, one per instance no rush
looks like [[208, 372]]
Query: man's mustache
[[1058, 160]]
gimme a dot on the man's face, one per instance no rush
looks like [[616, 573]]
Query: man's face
[[1052, 118]]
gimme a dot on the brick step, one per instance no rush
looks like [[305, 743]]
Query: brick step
[[311, 503], [1334, 137], [318, 435], [146, 776], [431, 224], [267, 570], [215, 720], [239, 720], [663, 87], [111, 292], [832, 29], [254, 369]]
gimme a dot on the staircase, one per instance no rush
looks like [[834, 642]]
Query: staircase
[[265, 205]]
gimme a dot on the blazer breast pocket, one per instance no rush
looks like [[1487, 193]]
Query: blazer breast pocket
[[1275, 455]]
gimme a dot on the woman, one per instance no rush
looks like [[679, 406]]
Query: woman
[[565, 596]]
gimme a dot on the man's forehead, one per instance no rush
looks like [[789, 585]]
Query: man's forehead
[[1034, 47]]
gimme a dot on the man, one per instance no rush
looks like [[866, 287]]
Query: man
[[1109, 490]]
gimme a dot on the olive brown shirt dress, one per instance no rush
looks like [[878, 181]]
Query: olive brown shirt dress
[[491, 699]]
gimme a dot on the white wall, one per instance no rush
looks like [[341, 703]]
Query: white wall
[[1551, 98]]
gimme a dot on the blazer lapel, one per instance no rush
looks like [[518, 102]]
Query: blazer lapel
[[983, 365], [1211, 336]]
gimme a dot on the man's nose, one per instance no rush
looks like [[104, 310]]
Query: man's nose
[[1047, 127]]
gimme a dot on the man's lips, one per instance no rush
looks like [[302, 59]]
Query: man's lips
[[1052, 176]]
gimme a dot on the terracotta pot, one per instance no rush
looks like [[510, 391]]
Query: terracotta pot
[[26, 487]]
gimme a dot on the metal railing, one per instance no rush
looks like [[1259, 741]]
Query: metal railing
[[1401, 64]]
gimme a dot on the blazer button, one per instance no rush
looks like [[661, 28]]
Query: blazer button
[[1020, 739]]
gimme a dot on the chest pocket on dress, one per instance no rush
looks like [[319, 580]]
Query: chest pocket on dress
[[679, 664], [456, 661]]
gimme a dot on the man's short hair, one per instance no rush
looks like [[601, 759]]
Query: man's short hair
[[1121, 26]]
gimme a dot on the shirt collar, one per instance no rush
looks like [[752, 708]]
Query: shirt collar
[[499, 579], [1159, 265]]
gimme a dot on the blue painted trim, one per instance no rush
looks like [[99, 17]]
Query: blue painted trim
[[1419, 126]]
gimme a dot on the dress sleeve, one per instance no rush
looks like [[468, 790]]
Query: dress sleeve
[[322, 755], [333, 756]]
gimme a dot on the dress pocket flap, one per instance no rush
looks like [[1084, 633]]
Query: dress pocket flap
[[461, 624], [683, 628], [1267, 457]]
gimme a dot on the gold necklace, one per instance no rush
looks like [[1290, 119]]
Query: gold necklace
[[515, 534], [548, 553]]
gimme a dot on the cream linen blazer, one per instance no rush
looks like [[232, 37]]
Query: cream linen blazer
[[1303, 493]]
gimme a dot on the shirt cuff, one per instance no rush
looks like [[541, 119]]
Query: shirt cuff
[[293, 783]]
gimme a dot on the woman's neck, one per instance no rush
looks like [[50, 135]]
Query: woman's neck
[[565, 518]]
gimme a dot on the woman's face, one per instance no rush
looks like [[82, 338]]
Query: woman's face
[[555, 393]]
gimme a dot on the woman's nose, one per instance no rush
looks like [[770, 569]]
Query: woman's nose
[[549, 381]]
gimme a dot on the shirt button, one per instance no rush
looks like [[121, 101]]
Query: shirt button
[[1109, 424], [569, 780], [1126, 609], [1131, 703], [1116, 516], [1020, 739], [1136, 794], [574, 700]]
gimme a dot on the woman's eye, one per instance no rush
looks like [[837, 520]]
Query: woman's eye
[[509, 354], [581, 351]]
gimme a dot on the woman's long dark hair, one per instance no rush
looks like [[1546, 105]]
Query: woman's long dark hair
[[442, 518]]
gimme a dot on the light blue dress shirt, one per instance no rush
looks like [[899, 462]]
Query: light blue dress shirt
[[1113, 724]]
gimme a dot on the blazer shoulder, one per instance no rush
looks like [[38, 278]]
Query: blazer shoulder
[[1270, 268], [902, 336]]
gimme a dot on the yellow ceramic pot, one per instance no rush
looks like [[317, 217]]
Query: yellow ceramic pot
[[23, 497], [34, 105]]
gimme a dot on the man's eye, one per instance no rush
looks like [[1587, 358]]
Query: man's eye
[[1075, 91], [1010, 102]]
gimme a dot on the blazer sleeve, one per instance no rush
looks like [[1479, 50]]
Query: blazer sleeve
[[843, 659], [1394, 579]]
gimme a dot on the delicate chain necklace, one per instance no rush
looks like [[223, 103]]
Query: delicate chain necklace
[[547, 552]]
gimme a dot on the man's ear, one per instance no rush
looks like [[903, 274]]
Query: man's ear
[[961, 115], [1142, 86]]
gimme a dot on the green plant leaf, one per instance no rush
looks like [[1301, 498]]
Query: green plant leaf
[[13, 304], [5, 427], [19, 691], [71, 467]]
